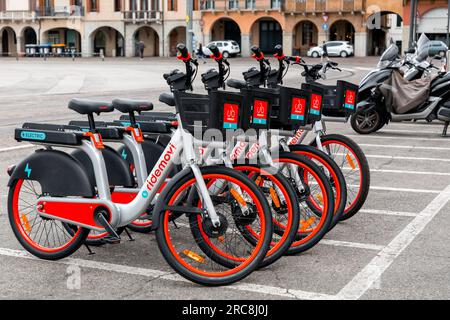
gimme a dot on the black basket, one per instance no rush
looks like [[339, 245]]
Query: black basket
[[294, 107], [347, 97], [338, 101], [259, 103], [316, 98], [219, 110]]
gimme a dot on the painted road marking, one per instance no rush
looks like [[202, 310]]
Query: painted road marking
[[376, 156], [431, 173], [389, 213], [399, 189], [364, 280], [401, 147], [348, 244], [157, 274], [398, 138]]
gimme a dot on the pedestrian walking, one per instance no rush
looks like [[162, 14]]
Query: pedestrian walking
[[141, 46], [200, 53]]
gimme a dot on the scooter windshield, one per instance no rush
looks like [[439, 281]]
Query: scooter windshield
[[423, 48], [388, 56]]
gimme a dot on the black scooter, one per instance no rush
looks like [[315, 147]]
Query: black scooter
[[372, 112]]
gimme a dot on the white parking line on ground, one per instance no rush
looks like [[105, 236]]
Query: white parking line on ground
[[397, 138], [399, 189], [351, 244], [431, 173], [364, 280], [16, 148], [412, 131], [376, 156], [389, 213], [402, 147], [157, 274]]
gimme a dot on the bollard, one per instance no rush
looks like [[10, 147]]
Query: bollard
[[102, 54]]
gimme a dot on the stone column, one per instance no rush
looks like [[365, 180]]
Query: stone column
[[130, 47], [288, 43], [323, 36], [360, 44], [245, 45], [1, 44], [20, 46], [87, 49]]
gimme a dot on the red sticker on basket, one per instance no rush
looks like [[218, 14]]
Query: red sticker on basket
[[230, 116], [350, 99], [316, 104], [260, 111], [298, 108]]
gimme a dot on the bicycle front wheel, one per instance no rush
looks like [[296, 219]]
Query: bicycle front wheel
[[209, 254]]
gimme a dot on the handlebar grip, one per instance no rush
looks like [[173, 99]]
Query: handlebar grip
[[215, 51], [182, 49], [279, 51], [294, 59], [257, 52]]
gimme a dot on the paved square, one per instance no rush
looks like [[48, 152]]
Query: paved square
[[395, 248]]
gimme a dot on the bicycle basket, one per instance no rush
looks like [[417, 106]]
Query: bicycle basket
[[294, 107], [347, 97], [258, 107], [220, 110], [317, 94]]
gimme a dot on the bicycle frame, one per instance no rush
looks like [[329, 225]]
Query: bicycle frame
[[181, 145]]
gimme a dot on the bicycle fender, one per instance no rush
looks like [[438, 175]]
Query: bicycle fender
[[163, 197], [59, 174], [119, 173]]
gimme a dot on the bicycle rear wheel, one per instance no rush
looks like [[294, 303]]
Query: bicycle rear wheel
[[44, 238], [353, 163], [225, 256], [316, 199], [334, 174]]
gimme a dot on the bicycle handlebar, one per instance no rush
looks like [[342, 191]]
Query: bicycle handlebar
[[257, 53], [184, 53]]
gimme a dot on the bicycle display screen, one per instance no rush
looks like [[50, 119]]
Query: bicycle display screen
[[260, 111]]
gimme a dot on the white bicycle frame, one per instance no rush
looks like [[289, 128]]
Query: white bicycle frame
[[180, 145]]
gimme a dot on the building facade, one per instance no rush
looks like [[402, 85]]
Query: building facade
[[116, 26], [113, 27]]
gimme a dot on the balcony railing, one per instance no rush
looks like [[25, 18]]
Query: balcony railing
[[60, 12], [142, 16], [319, 6], [241, 5], [17, 15]]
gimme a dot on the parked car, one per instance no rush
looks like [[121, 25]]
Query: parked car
[[437, 48], [335, 48], [229, 48]]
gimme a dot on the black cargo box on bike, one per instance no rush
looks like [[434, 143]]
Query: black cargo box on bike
[[259, 103], [293, 108], [317, 94], [340, 100], [219, 110]]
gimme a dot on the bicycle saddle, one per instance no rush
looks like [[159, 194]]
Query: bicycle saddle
[[84, 106], [127, 105], [167, 98], [236, 84]]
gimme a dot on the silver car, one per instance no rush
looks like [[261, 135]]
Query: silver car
[[335, 48], [228, 48]]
